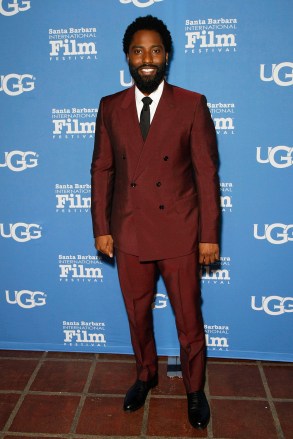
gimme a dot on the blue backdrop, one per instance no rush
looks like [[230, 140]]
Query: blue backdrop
[[58, 59]]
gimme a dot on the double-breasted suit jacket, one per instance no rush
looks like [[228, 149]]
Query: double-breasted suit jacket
[[157, 197]]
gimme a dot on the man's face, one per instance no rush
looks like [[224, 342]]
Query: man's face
[[147, 60]]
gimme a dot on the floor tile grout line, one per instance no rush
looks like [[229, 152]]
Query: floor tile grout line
[[83, 396], [105, 360], [252, 362], [11, 392], [23, 394], [176, 437], [233, 361], [282, 399], [207, 391], [32, 435], [271, 403], [79, 436], [156, 396], [55, 360], [180, 437], [211, 397], [85, 436], [69, 360], [21, 358], [239, 398], [145, 418]]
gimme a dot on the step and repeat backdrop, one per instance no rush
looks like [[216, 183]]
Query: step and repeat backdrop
[[58, 58]]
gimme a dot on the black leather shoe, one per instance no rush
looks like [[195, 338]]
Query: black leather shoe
[[136, 395], [198, 409]]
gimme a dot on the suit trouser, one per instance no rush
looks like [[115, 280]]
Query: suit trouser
[[180, 275]]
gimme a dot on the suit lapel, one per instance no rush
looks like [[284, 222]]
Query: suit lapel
[[158, 132], [134, 140], [139, 153]]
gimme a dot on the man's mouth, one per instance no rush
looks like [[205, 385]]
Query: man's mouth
[[147, 70]]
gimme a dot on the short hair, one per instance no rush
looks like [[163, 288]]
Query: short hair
[[147, 23]]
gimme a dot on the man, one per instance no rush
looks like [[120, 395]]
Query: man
[[155, 199]]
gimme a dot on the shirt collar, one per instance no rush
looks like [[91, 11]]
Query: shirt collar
[[155, 95]]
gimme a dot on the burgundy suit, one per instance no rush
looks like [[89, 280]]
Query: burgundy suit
[[158, 199]]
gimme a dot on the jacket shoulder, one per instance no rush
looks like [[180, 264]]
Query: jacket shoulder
[[115, 97], [179, 91]]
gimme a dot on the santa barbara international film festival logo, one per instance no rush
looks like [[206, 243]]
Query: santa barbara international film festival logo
[[74, 123], [12, 7], [71, 44], [140, 3], [223, 117], [217, 273], [272, 305], [277, 156], [21, 232], [80, 268], [210, 35], [275, 234], [217, 337], [73, 198], [281, 74], [18, 161], [26, 299], [84, 333], [15, 84], [226, 196]]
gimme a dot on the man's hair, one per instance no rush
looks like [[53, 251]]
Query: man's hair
[[147, 23]]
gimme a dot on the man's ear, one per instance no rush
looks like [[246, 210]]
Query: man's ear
[[127, 57], [167, 57]]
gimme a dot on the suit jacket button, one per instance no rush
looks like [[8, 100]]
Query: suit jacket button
[[166, 158], [123, 156], [161, 206], [132, 184], [158, 183]]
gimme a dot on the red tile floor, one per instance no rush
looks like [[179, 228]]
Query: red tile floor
[[79, 396]]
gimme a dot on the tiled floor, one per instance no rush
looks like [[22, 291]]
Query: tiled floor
[[80, 396]]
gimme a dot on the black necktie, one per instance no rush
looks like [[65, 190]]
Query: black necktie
[[145, 117]]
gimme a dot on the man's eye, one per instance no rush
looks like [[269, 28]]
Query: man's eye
[[156, 51], [137, 51]]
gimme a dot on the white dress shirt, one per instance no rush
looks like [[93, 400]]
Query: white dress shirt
[[155, 96]]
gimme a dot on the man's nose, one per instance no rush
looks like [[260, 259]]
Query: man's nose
[[147, 57]]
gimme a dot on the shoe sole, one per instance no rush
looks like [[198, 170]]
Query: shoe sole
[[133, 410], [200, 427], [137, 408]]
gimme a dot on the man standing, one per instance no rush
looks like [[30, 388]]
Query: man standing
[[155, 199]]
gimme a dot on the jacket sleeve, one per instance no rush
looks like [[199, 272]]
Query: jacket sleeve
[[102, 172], [205, 162]]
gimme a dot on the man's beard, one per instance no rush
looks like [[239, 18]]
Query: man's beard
[[148, 84]]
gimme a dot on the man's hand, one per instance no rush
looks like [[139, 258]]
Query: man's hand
[[104, 244], [208, 253]]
